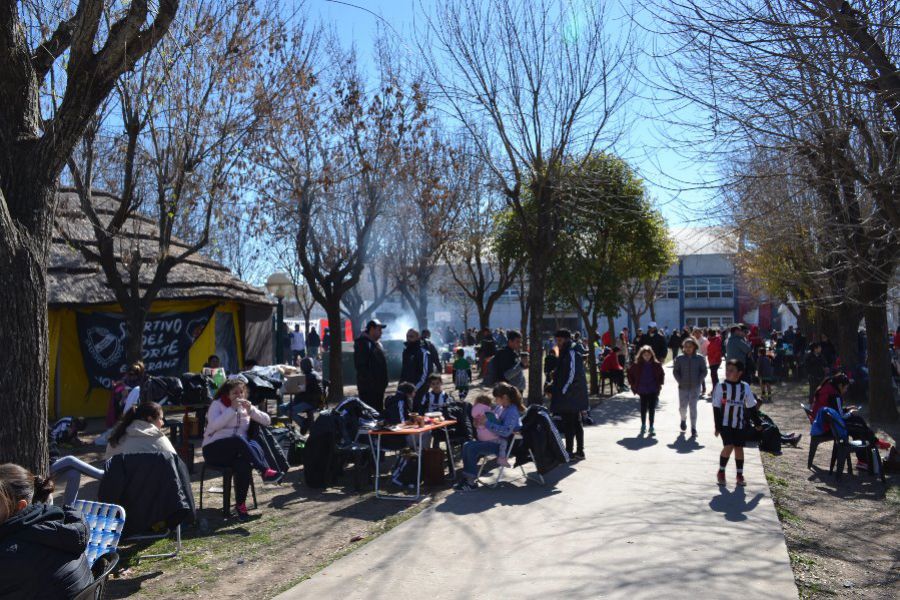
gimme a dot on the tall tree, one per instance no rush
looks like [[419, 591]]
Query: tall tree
[[178, 136], [88, 44], [539, 81]]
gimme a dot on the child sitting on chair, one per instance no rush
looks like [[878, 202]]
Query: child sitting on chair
[[484, 407]]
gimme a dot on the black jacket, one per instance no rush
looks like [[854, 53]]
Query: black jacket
[[540, 436], [313, 340], [433, 355], [371, 366], [657, 341], [42, 553], [504, 360], [396, 409], [152, 487], [569, 392], [416, 364]]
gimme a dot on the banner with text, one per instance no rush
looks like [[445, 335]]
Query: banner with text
[[168, 338]]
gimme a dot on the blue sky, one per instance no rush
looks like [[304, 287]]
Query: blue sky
[[673, 175]]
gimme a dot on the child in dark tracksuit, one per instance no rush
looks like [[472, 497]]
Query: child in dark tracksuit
[[733, 404]]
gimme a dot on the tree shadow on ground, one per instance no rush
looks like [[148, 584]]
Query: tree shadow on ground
[[615, 410], [637, 443], [733, 503]]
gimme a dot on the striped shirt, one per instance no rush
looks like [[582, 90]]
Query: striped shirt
[[60, 430], [733, 398]]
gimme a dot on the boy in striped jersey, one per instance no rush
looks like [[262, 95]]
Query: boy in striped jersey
[[733, 404]]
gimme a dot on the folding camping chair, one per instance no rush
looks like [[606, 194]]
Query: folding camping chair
[[106, 522], [515, 438]]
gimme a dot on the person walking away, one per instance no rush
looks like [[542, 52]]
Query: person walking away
[[298, 344], [462, 373], [714, 355], [689, 371], [313, 341], [437, 365], [569, 393], [657, 341], [371, 365], [733, 405], [765, 370], [815, 368], [42, 547], [646, 378], [416, 364]]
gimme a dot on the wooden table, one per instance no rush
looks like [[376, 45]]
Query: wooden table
[[417, 433]]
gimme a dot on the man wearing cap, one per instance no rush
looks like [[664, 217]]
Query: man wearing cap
[[371, 365], [656, 341]]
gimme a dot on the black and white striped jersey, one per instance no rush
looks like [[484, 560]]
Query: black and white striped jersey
[[732, 399]]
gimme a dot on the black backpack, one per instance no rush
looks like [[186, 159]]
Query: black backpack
[[197, 389], [770, 436], [461, 412], [320, 468], [162, 390]]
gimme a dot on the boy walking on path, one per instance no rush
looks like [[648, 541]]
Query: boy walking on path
[[690, 373], [733, 405]]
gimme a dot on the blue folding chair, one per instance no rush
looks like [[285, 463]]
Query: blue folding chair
[[106, 522]]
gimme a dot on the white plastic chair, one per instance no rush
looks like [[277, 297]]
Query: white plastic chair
[[515, 438]]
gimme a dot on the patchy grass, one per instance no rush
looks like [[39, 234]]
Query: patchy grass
[[809, 590], [786, 516], [799, 560], [775, 481]]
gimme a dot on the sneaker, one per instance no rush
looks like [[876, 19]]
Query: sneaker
[[465, 486], [652, 431], [272, 476], [795, 440], [643, 429], [693, 432], [578, 455], [242, 514], [683, 425], [740, 480], [720, 477]]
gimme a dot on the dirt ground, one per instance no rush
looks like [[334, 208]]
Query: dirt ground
[[843, 536], [295, 532]]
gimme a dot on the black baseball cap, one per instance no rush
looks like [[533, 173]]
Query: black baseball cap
[[375, 323]]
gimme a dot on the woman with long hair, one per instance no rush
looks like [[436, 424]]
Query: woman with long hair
[[140, 431], [42, 547], [225, 442], [507, 420], [646, 378]]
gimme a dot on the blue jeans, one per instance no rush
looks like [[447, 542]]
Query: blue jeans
[[474, 450], [71, 469]]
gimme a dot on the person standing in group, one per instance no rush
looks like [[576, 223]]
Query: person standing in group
[[624, 343], [815, 367], [674, 343], [569, 393], [507, 365], [487, 348], [714, 355], [298, 344], [733, 404], [416, 364], [689, 371], [738, 348], [646, 378], [313, 341], [371, 365], [436, 364]]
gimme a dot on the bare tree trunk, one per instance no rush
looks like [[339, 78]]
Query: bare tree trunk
[[484, 318], [136, 318], [421, 307], [24, 364], [536, 310], [335, 364], [882, 406]]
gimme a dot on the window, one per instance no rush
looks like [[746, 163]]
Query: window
[[669, 288], [708, 287], [719, 322]]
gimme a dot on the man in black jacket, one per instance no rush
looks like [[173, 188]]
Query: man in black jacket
[[416, 363], [433, 354], [507, 360], [569, 393], [657, 341], [371, 365]]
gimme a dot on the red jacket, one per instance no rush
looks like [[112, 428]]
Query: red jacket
[[827, 395], [607, 339], [714, 350], [610, 363]]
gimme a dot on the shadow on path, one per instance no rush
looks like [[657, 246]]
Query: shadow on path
[[617, 409], [685, 445], [638, 443], [733, 503]]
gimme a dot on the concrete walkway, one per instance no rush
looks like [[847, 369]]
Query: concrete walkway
[[640, 518]]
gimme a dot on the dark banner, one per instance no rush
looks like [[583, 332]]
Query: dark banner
[[168, 338]]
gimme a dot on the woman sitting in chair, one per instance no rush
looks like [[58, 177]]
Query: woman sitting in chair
[[42, 547], [140, 431], [830, 394], [506, 424], [225, 442]]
